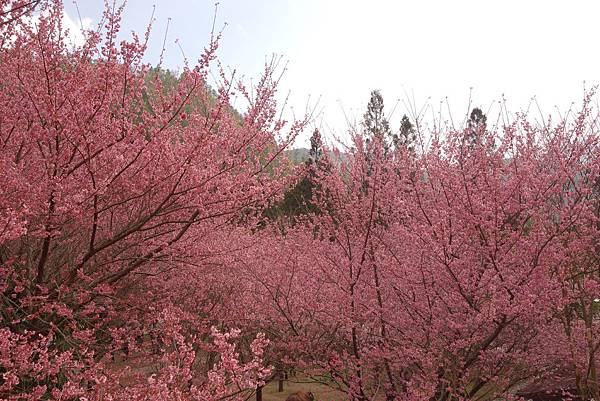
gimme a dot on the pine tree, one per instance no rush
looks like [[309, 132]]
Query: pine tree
[[316, 152], [300, 199], [407, 137], [375, 123], [476, 128]]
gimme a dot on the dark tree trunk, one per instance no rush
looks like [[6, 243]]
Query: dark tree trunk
[[259, 393]]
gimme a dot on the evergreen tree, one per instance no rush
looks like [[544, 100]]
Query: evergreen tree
[[476, 128], [316, 147], [407, 137], [299, 199], [374, 122]]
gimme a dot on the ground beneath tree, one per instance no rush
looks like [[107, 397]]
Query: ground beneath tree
[[321, 391]]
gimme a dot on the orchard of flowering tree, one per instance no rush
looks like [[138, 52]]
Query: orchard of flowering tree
[[157, 244]]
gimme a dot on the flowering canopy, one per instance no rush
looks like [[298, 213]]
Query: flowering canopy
[[142, 254]]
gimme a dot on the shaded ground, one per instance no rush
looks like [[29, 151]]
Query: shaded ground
[[543, 396], [320, 391], [146, 365]]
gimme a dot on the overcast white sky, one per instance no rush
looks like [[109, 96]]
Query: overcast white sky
[[339, 50]]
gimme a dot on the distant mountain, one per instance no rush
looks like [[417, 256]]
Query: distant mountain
[[298, 155]]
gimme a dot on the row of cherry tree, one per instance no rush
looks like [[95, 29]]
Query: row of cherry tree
[[154, 245], [467, 270]]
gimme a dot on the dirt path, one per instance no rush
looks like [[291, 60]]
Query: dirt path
[[321, 392]]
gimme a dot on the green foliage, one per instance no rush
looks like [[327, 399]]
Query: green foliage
[[476, 128], [160, 82], [301, 199], [375, 124], [407, 137]]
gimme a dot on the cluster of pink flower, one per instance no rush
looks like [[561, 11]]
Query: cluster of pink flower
[[463, 269], [120, 187], [137, 261]]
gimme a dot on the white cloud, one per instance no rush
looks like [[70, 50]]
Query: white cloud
[[76, 36], [75, 28]]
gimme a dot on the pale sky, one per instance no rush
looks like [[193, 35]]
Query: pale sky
[[338, 51]]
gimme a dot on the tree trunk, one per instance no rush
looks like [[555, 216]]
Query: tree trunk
[[259, 393], [281, 377]]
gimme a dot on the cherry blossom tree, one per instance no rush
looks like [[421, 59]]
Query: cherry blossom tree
[[145, 252], [120, 196], [461, 272]]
